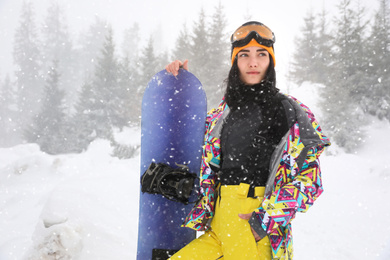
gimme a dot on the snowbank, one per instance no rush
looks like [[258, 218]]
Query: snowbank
[[77, 206]]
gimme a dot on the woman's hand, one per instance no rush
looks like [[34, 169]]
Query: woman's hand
[[247, 217], [174, 66]]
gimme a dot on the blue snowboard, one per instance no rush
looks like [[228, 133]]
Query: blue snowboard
[[172, 131]]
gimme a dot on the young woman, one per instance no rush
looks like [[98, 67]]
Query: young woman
[[260, 160]]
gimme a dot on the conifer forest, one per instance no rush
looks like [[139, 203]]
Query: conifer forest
[[66, 92]]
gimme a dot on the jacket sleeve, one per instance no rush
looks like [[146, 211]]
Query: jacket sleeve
[[204, 207], [210, 160], [296, 195]]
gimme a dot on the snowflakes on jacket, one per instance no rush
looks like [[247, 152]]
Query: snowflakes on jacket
[[294, 184]]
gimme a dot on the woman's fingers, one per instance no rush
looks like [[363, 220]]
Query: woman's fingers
[[185, 65], [174, 66], [245, 216], [257, 237]]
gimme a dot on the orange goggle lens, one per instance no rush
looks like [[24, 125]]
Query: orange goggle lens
[[260, 29]]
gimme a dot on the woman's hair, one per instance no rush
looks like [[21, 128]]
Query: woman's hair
[[233, 81]]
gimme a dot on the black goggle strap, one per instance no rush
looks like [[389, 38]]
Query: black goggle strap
[[257, 37]]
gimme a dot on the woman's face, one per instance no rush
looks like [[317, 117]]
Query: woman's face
[[253, 64]]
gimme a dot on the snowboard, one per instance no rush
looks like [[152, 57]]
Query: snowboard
[[172, 131]]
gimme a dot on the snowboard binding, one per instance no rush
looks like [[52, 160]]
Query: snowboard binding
[[175, 184]]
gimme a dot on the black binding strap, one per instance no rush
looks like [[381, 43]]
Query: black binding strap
[[175, 184]]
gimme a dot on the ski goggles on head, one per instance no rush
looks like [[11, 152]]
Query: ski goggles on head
[[252, 30]]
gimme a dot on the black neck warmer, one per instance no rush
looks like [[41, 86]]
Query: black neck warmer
[[238, 95]]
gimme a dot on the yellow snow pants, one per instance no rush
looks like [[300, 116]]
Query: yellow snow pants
[[230, 237]]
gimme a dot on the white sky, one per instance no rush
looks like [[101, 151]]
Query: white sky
[[284, 17]]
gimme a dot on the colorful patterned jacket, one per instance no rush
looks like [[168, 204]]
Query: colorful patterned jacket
[[294, 183]]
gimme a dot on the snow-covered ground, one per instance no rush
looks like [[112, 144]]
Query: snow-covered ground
[[85, 206], [81, 206], [351, 220]]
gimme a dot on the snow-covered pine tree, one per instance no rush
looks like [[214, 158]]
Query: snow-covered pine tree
[[119, 97], [81, 126], [47, 130], [57, 45], [107, 90], [343, 115], [218, 61], [359, 58], [200, 50], [303, 66], [129, 74], [91, 42], [323, 58], [8, 114], [148, 64], [110, 98], [377, 96], [131, 42], [127, 80], [162, 59], [182, 50], [26, 56], [99, 107]]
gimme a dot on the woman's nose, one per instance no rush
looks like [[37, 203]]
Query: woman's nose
[[253, 63]]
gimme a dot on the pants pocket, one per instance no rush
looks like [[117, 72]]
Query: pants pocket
[[248, 205]]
